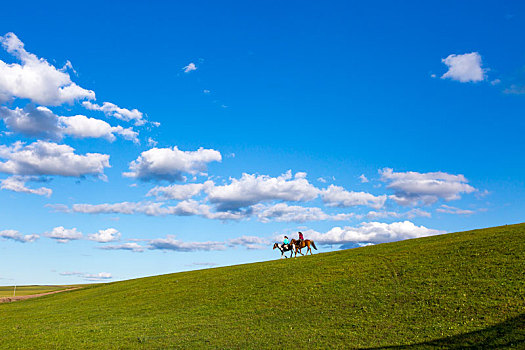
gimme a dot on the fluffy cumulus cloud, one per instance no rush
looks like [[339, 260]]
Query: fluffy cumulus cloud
[[371, 232], [179, 192], [81, 126], [43, 123], [35, 79], [464, 68], [190, 67], [283, 212], [253, 189], [18, 184], [131, 246], [171, 163], [17, 236], [104, 236], [32, 121], [412, 187], [113, 110], [171, 243], [337, 196], [48, 158], [64, 235]]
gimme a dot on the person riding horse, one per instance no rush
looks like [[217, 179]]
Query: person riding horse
[[301, 238], [286, 246]]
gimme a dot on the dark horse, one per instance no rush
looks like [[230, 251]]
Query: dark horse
[[301, 244], [284, 248]]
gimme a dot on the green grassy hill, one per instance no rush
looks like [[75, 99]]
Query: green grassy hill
[[454, 290]]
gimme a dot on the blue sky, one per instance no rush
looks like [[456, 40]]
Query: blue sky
[[138, 139]]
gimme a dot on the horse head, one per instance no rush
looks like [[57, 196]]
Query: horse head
[[275, 245]]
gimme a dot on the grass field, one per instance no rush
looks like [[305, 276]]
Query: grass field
[[455, 290], [7, 291]]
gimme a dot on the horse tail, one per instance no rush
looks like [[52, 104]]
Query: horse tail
[[313, 245]]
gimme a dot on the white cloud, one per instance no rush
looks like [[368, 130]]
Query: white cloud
[[252, 189], [64, 235], [104, 236], [101, 276], [81, 126], [111, 109], [180, 192], [409, 214], [88, 276], [190, 67], [17, 184], [337, 196], [42, 122], [170, 243], [495, 82], [453, 210], [464, 68], [48, 158], [171, 163], [282, 212], [152, 142], [249, 242], [371, 232], [17, 236], [32, 121], [35, 78], [184, 208], [413, 187], [363, 178], [134, 247]]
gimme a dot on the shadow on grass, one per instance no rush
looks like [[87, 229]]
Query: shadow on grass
[[508, 334]]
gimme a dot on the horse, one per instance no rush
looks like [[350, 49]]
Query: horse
[[284, 248], [304, 243]]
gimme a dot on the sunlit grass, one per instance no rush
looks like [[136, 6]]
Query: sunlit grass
[[461, 289]]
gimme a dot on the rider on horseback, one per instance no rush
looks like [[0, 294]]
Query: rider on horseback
[[286, 241], [301, 238]]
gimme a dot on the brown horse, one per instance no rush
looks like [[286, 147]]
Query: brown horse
[[304, 243]]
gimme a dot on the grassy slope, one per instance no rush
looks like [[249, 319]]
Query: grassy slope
[[459, 288]]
